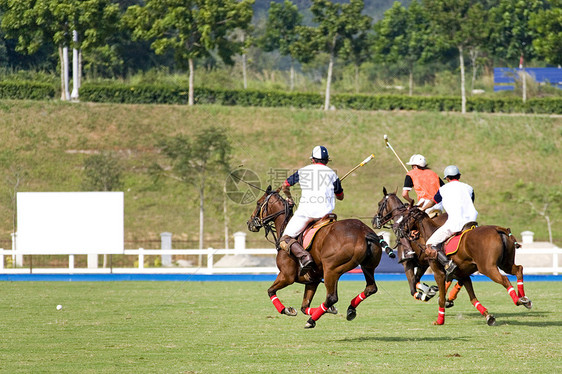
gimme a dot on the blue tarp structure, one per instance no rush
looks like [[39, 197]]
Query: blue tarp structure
[[504, 78]]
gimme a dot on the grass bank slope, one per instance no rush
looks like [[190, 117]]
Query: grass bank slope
[[44, 145]]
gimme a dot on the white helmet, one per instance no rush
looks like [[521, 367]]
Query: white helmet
[[418, 160], [451, 171]]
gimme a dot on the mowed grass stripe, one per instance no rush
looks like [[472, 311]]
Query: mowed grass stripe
[[212, 327]]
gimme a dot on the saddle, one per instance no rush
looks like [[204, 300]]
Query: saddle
[[307, 236], [451, 245]]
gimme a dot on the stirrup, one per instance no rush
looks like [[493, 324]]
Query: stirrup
[[450, 267]]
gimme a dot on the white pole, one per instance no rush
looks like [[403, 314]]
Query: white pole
[[75, 75], [65, 72]]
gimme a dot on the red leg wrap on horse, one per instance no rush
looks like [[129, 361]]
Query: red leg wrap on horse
[[513, 295], [357, 300], [441, 316], [318, 312], [309, 311], [520, 289], [278, 305], [480, 307]]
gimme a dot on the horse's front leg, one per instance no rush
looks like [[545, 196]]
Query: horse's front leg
[[287, 276], [440, 280], [331, 283], [369, 290]]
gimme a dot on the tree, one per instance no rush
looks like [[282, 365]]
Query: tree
[[192, 29], [35, 22], [547, 27], [543, 200], [103, 172], [402, 36], [283, 20], [457, 23], [337, 23], [513, 35], [194, 160]]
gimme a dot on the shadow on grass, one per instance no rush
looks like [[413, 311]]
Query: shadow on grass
[[404, 339]]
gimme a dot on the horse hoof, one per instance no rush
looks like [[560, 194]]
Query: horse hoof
[[332, 310], [432, 291], [290, 311], [449, 304], [351, 313], [526, 302], [310, 324], [436, 323], [490, 320]]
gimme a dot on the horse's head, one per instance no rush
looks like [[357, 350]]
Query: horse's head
[[412, 222], [389, 207], [268, 207]]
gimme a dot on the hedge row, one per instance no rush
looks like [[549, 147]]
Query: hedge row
[[161, 94], [26, 91], [146, 94]]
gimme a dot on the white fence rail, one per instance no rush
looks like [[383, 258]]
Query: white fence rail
[[524, 257], [210, 268]]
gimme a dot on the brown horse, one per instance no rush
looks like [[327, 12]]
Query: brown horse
[[391, 208], [337, 249], [485, 249]]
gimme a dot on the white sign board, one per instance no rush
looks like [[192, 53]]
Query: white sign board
[[70, 222]]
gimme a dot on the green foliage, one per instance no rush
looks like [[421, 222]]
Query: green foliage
[[23, 90], [157, 94], [547, 24], [103, 172]]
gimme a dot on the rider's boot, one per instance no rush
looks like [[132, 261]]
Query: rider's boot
[[305, 259], [448, 264], [291, 245]]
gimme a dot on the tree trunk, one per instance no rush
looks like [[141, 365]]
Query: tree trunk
[[190, 99], [63, 72], [463, 90], [244, 76], [473, 56], [329, 82], [225, 212], [356, 78], [292, 78], [411, 82]]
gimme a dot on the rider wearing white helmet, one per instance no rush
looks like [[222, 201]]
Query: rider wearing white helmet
[[320, 187], [458, 202]]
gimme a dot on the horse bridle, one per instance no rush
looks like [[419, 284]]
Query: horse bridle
[[379, 221], [268, 221]]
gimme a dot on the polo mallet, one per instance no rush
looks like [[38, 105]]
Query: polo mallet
[[358, 166], [393, 151]]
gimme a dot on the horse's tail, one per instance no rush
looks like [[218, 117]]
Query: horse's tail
[[509, 242], [373, 239]]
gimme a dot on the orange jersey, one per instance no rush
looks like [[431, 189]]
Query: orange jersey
[[426, 183]]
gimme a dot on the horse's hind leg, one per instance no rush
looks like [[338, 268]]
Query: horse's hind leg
[[280, 282], [517, 270], [331, 282], [369, 290], [490, 319], [494, 274], [309, 291]]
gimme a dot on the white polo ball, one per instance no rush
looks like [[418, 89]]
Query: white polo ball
[[59, 307]]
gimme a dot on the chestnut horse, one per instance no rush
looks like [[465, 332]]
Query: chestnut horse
[[391, 208], [336, 249], [485, 249]]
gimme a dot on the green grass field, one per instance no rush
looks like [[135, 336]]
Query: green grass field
[[231, 327]]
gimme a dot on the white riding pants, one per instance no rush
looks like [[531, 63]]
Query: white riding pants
[[296, 225]]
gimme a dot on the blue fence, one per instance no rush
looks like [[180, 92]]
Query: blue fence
[[505, 78]]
